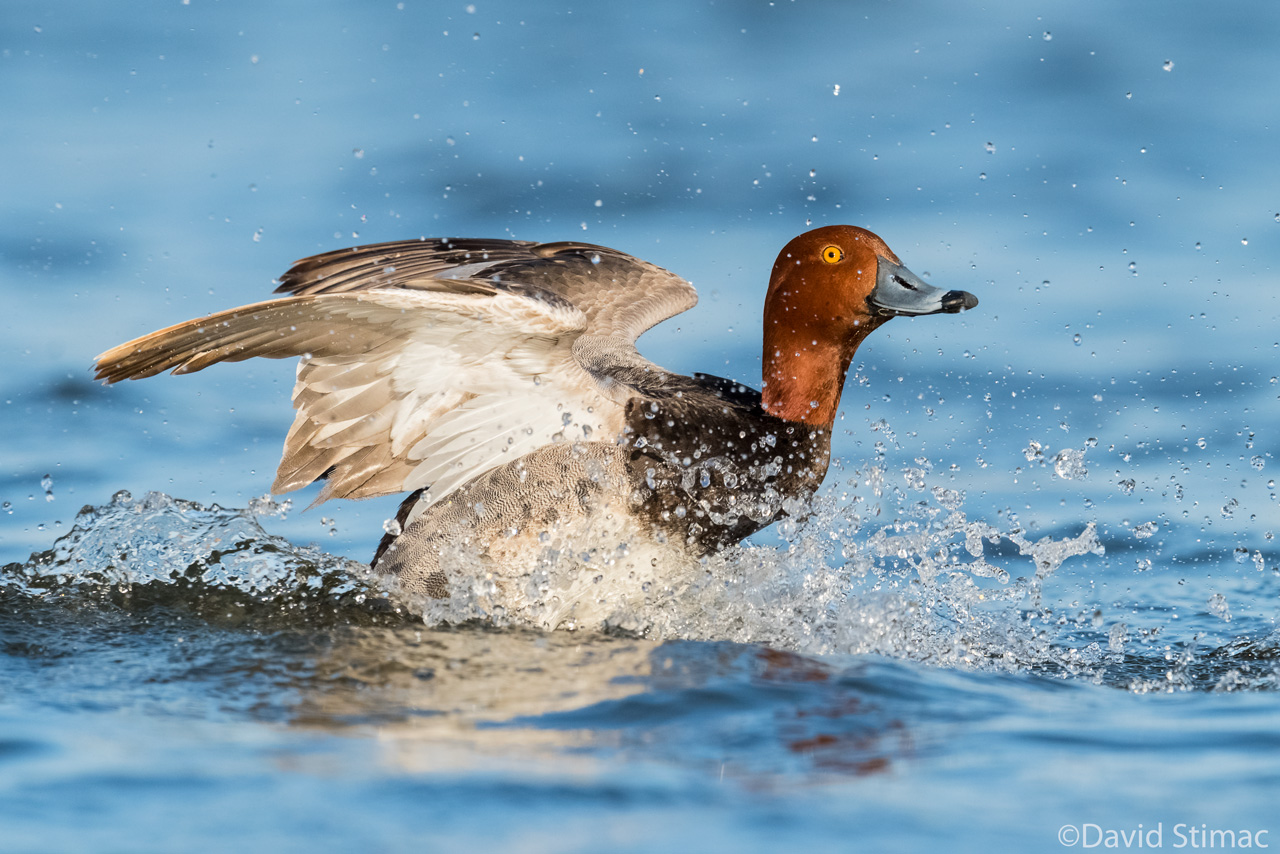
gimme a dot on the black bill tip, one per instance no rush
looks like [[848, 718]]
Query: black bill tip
[[954, 302]]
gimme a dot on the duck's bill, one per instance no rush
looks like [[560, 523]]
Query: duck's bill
[[899, 291]]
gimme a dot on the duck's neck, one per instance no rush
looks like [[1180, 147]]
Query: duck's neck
[[804, 373]]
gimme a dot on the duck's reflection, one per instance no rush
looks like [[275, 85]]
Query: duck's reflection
[[444, 699]]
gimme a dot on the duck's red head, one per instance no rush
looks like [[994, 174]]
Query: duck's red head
[[829, 289]]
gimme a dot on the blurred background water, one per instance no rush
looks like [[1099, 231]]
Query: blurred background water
[[1103, 176]]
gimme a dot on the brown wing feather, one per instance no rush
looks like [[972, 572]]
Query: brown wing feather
[[619, 294]]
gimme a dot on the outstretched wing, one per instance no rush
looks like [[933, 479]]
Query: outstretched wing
[[422, 367], [619, 295]]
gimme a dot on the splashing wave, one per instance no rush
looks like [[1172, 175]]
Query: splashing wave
[[922, 586]]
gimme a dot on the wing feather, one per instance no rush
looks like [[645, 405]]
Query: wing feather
[[426, 363], [618, 293], [382, 371]]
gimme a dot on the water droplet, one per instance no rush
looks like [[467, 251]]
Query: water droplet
[[1117, 637], [1244, 241], [358, 152], [392, 527], [1257, 462], [46, 483], [991, 147], [1127, 486], [1168, 65], [1219, 608], [1069, 465], [982, 176], [837, 90], [815, 138], [1047, 36], [1075, 339]]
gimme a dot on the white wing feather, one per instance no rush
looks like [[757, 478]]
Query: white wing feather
[[427, 379]]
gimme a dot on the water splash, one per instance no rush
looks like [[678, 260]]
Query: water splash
[[926, 586], [158, 549], [899, 571]]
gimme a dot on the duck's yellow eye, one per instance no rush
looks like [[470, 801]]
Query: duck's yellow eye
[[832, 254]]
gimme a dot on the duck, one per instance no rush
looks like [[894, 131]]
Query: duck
[[497, 383]]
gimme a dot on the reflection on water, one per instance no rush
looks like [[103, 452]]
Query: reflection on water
[[446, 698]]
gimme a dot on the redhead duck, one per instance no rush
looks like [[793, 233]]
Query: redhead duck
[[498, 382]]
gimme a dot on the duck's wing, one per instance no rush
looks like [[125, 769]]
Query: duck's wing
[[427, 379], [619, 294]]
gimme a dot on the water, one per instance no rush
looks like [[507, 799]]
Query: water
[[1038, 591]]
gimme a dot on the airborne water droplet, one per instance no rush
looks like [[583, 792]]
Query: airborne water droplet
[[1219, 608]]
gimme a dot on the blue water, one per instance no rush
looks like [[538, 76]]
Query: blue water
[[185, 676]]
